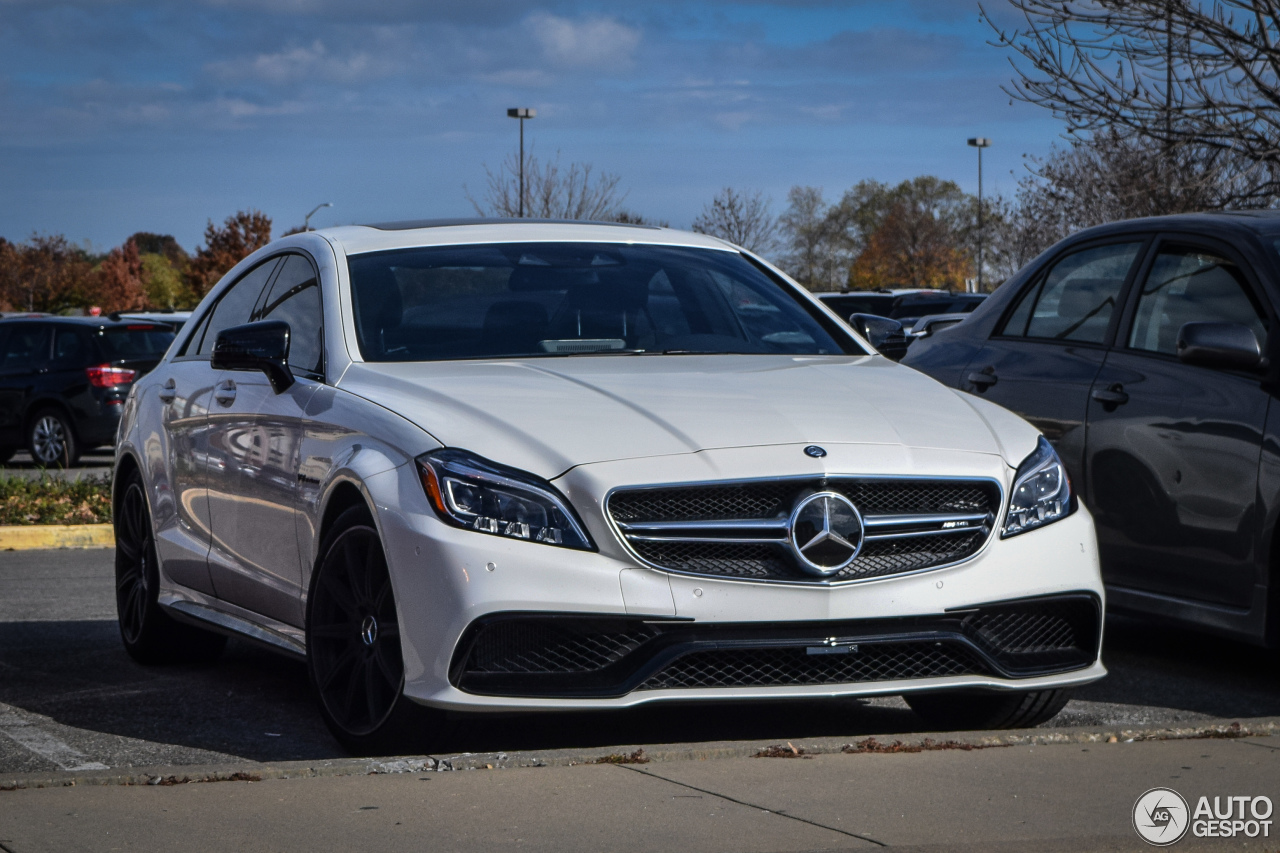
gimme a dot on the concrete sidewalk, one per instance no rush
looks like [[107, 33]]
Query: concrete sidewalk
[[1047, 798]]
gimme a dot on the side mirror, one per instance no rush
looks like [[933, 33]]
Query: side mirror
[[887, 336], [256, 346], [1229, 345]]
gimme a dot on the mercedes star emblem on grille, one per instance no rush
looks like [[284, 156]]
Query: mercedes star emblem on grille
[[815, 451], [825, 532]]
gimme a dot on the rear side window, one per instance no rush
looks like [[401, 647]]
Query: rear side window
[[234, 307], [26, 349], [1075, 300], [70, 349], [1188, 285], [136, 341]]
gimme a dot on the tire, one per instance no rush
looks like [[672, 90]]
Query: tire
[[957, 710], [353, 645], [150, 635], [52, 440]]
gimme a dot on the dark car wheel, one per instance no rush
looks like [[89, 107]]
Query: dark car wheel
[[150, 635], [955, 710], [353, 644], [52, 441]]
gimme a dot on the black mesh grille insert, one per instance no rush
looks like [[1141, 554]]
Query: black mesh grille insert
[[772, 667], [545, 646], [538, 654], [774, 500]]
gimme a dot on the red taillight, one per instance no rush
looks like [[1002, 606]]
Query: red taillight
[[105, 376]]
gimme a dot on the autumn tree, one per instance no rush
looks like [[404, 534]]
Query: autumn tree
[[741, 217], [120, 284], [818, 240], [47, 273], [239, 236]]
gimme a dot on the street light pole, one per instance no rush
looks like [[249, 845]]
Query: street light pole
[[522, 113], [980, 142], [306, 223]]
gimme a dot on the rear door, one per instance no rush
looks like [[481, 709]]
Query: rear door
[[186, 388], [1045, 353], [24, 362], [1173, 449]]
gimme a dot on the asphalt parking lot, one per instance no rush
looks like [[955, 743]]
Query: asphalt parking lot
[[70, 697]]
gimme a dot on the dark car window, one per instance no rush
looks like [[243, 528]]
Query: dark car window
[[234, 306], [135, 341], [879, 304], [1075, 301], [1188, 285], [295, 298], [26, 349], [557, 299], [70, 349]]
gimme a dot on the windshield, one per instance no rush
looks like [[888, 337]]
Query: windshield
[[557, 299], [140, 341]]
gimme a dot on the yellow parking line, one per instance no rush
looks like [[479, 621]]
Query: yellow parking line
[[25, 537]]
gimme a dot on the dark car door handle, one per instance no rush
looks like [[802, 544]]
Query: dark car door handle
[[982, 380], [168, 391], [1113, 396]]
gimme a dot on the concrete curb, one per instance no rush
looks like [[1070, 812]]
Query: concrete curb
[[255, 772], [31, 537]]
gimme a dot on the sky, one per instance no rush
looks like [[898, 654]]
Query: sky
[[119, 116]]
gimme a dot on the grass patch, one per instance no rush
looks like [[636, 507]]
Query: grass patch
[[48, 500]]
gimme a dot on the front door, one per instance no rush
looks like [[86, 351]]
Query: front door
[[1173, 449], [257, 433], [1044, 356], [23, 363]]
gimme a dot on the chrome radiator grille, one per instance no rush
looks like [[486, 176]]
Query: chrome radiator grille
[[740, 530]]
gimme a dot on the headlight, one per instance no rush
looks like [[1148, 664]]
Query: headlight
[[1041, 492], [471, 492]]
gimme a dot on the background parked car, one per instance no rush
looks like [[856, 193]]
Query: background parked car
[[1137, 348], [174, 319], [63, 381], [906, 307]]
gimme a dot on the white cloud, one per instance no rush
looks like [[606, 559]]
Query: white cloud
[[594, 42], [299, 63]]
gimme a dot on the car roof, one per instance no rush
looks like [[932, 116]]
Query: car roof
[[96, 322], [1261, 222], [357, 239]]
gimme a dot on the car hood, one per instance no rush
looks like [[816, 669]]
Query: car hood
[[549, 415]]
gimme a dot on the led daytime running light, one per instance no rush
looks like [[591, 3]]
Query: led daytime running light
[[478, 495], [1041, 492]]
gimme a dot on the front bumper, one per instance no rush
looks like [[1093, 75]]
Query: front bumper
[[448, 580]]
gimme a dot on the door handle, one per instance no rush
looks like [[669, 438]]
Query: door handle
[[1113, 396], [226, 393], [983, 379], [168, 391]]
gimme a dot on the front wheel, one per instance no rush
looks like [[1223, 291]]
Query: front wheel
[[956, 710], [149, 634], [353, 643]]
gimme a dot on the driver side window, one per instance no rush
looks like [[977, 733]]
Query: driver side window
[[232, 309]]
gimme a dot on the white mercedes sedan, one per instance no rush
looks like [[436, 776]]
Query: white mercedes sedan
[[522, 466]]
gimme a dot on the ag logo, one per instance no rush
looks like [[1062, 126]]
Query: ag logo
[[1161, 817]]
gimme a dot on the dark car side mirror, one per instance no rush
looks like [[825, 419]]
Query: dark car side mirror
[[888, 336], [256, 346], [1229, 345]]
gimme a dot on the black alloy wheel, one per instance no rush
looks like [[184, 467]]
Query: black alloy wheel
[[960, 709], [150, 635], [353, 641], [52, 441]]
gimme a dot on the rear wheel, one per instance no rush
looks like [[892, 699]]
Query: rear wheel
[[353, 644], [52, 441], [956, 710], [149, 634]]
